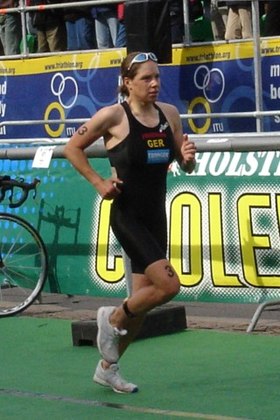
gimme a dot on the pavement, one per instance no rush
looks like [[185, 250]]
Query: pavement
[[200, 315]]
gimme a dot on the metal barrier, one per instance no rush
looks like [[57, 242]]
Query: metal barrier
[[257, 114], [237, 142]]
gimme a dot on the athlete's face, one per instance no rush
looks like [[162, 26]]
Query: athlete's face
[[146, 83]]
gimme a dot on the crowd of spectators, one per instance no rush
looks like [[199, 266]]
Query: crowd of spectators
[[102, 26], [63, 28], [233, 19]]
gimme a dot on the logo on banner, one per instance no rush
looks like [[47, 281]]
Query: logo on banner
[[66, 90], [212, 85]]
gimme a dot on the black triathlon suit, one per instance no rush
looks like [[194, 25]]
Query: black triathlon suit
[[138, 217]]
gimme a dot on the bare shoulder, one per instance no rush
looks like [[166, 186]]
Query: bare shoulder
[[172, 115], [168, 109], [112, 113], [103, 121]]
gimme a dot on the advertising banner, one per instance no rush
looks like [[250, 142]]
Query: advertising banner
[[223, 219], [201, 79]]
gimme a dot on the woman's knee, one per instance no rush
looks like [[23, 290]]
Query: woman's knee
[[173, 288], [172, 282], [165, 279], [166, 291]]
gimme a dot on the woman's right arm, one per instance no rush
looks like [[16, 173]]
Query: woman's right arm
[[98, 126]]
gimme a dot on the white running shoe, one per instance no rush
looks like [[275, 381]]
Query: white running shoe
[[108, 336], [111, 377]]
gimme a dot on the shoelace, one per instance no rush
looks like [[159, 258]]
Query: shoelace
[[119, 380], [119, 332]]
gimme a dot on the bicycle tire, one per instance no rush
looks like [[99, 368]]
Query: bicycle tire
[[23, 264]]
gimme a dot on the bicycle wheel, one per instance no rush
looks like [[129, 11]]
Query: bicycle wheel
[[23, 264]]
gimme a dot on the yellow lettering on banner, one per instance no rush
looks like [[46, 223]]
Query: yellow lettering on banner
[[109, 275], [202, 101], [278, 207], [177, 223], [219, 276], [250, 242]]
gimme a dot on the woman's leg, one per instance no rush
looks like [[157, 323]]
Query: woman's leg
[[133, 325], [158, 285]]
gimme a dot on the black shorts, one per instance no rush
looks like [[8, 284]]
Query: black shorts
[[143, 239]]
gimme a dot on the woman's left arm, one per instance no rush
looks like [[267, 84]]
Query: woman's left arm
[[184, 148]]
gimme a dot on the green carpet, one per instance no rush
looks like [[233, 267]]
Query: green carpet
[[192, 374]]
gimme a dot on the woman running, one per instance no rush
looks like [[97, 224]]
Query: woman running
[[142, 137]]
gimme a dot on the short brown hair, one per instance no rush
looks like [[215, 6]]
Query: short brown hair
[[126, 71]]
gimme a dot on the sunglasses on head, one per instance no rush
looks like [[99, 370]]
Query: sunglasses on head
[[142, 58]]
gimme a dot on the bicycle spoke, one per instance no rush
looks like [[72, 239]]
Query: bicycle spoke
[[24, 264]]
